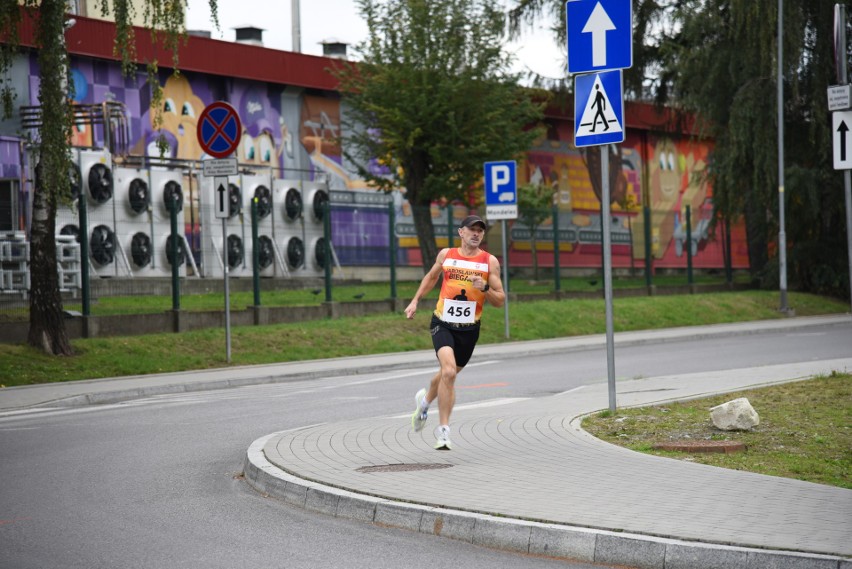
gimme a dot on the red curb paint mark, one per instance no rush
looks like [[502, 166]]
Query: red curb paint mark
[[6, 522], [501, 384]]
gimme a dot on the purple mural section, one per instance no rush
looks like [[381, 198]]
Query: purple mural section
[[10, 158], [361, 236]]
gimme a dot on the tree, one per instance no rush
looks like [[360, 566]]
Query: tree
[[534, 206], [47, 325], [649, 18], [722, 66], [716, 60], [433, 99]]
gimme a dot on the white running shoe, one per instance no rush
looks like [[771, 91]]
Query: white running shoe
[[418, 418], [443, 435]]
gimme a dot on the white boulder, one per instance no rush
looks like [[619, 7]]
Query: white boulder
[[736, 415]]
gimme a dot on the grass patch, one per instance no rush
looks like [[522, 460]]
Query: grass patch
[[250, 345], [805, 430]]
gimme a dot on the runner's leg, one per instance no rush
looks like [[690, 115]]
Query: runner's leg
[[446, 384]]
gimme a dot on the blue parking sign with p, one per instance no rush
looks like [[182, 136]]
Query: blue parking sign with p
[[501, 192]]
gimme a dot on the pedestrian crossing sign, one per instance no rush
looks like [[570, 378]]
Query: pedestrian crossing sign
[[598, 109]]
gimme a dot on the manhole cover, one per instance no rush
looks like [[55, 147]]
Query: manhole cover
[[402, 467], [726, 447]]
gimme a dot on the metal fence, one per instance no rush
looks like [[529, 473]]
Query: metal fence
[[294, 234]]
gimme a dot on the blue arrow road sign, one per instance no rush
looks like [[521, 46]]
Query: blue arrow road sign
[[501, 192], [600, 35], [598, 109]]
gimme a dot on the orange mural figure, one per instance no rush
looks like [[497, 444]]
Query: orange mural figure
[[673, 187], [181, 108]]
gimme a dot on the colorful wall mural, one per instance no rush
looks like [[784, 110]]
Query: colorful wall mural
[[293, 133]]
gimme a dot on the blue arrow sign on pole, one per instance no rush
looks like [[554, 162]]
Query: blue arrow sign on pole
[[600, 35]]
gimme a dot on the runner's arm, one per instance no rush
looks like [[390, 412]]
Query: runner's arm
[[429, 281], [495, 294]]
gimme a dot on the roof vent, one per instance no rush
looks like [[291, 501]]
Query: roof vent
[[249, 35], [335, 48]]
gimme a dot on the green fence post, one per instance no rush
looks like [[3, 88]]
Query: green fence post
[[729, 258], [175, 261], [84, 254], [646, 214], [556, 246], [449, 225], [689, 245], [326, 232], [255, 254], [392, 247]]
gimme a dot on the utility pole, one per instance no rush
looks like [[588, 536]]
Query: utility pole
[[782, 236]]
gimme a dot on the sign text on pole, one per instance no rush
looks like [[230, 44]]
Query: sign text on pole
[[501, 192], [839, 97], [220, 167], [600, 35]]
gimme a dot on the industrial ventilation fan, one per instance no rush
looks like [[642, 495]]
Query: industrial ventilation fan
[[71, 230], [319, 253], [181, 250], [139, 196], [140, 249], [295, 252], [236, 252], [102, 244], [235, 200], [293, 203], [264, 201], [265, 254], [320, 199], [100, 183], [172, 192]]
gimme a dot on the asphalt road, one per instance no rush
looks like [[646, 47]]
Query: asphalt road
[[157, 482]]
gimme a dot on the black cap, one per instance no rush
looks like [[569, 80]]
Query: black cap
[[472, 220]]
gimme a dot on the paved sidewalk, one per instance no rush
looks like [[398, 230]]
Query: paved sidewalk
[[530, 462]]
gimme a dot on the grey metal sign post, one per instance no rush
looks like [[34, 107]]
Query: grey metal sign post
[[219, 131], [501, 202], [600, 38], [841, 127], [220, 185]]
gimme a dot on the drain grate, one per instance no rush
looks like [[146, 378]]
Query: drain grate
[[402, 467]]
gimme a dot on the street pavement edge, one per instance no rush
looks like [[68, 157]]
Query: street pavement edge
[[521, 536], [120, 389]]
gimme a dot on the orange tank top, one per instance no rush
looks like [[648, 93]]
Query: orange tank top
[[459, 302]]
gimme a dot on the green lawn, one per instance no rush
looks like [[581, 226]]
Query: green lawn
[[529, 320], [805, 430]]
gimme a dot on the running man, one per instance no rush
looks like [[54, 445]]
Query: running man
[[471, 276]]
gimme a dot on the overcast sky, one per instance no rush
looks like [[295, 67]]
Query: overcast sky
[[339, 19]]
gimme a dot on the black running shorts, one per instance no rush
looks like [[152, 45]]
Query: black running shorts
[[461, 339]]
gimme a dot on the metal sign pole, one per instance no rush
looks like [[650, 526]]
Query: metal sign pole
[[227, 291], [782, 235], [842, 77], [505, 280], [607, 259]]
